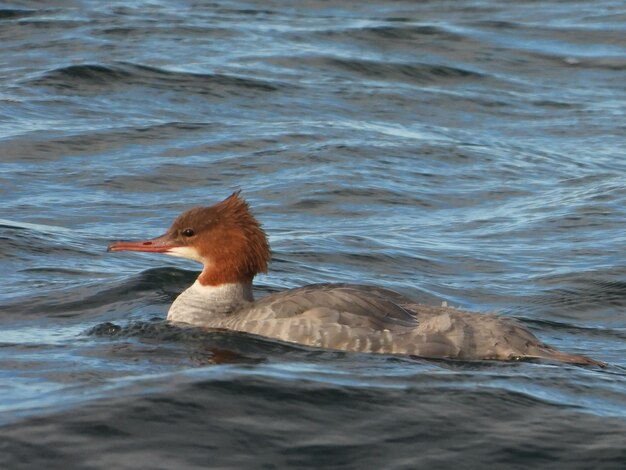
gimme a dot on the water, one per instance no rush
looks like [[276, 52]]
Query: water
[[471, 152]]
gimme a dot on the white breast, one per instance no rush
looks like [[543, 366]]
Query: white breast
[[203, 305]]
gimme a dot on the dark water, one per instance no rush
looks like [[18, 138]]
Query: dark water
[[472, 152]]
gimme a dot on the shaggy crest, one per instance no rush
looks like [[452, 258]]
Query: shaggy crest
[[229, 240]]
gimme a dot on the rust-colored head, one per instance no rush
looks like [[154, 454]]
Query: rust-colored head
[[225, 238]]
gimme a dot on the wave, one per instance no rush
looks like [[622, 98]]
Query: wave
[[396, 31], [86, 78], [410, 72], [152, 286], [14, 13]]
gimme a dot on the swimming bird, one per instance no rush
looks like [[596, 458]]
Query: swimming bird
[[232, 247]]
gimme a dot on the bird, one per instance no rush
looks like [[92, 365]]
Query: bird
[[233, 248]]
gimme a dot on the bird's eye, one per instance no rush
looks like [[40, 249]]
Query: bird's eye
[[188, 232]]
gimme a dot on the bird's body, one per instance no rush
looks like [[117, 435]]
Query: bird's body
[[228, 240]]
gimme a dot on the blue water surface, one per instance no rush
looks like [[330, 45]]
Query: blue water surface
[[469, 152]]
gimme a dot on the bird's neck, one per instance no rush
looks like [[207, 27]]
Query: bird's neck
[[200, 304]]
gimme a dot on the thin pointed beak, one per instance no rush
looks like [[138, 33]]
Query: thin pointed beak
[[161, 244]]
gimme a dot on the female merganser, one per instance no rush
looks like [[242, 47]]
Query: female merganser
[[232, 246]]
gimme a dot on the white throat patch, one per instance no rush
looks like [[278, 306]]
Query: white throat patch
[[185, 252]]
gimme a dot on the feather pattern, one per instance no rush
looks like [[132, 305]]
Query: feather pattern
[[362, 318]]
